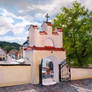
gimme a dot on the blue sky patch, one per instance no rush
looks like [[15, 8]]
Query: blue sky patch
[[1, 11], [16, 21]]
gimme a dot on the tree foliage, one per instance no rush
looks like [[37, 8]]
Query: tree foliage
[[76, 23]]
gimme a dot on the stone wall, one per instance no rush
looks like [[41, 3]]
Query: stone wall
[[81, 73], [14, 75]]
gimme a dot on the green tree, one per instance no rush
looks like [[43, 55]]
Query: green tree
[[76, 23]]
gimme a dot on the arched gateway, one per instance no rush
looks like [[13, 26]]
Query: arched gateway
[[46, 54], [49, 70]]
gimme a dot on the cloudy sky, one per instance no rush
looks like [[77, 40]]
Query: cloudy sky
[[17, 15]]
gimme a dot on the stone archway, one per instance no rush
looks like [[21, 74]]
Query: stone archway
[[38, 55], [48, 72], [51, 75]]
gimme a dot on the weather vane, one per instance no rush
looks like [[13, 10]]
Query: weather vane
[[47, 17]]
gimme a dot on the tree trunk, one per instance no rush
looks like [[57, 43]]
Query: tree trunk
[[78, 58]]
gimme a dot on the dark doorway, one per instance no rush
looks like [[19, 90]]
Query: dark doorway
[[40, 72], [46, 72], [51, 69]]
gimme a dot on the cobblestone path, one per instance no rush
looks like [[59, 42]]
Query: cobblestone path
[[73, 86]]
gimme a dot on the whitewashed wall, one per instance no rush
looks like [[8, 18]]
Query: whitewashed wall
[[80, 73], [14, 75]]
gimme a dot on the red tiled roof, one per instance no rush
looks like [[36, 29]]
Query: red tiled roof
[[59, 30], [48, 23], [43, 33], [44, 48], [28, 48], [35, 26], [55, 33]]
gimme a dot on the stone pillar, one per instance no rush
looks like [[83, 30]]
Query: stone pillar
[[32, 73], [56, 73]]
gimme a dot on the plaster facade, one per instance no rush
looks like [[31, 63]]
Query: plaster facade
[[14, 75], [3, 55], [46, 36], [45, 43], [56, 57]]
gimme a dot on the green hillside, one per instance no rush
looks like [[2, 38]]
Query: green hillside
[[9, 46]]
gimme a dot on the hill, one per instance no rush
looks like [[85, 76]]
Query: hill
[[9, 46]]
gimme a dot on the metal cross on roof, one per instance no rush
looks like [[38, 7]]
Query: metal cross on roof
[[47, 17]]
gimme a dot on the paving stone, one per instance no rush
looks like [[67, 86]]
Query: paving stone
[[73, 86]]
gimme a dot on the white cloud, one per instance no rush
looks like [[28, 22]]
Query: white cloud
[[55, 6], [13, 39], [5, 24], [51, 8], [20, 27], [86, 3], [30, 12]]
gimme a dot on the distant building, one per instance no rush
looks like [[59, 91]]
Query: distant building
[[3, 55], [26, 43], [20, 53], [26, 52], [13, 54]]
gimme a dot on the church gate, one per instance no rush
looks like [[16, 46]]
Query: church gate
[[64, 71], [40, 72], [48, 71]]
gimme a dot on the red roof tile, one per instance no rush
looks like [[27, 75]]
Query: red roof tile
[[48, 23], [59, 30], [35, 26], [43, 33], [55, 33], [44, 48], [28, 48]]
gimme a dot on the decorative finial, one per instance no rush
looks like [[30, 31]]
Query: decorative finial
[[47, 17]]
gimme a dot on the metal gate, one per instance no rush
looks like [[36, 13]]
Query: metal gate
[[64, 71], [40, 72]]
